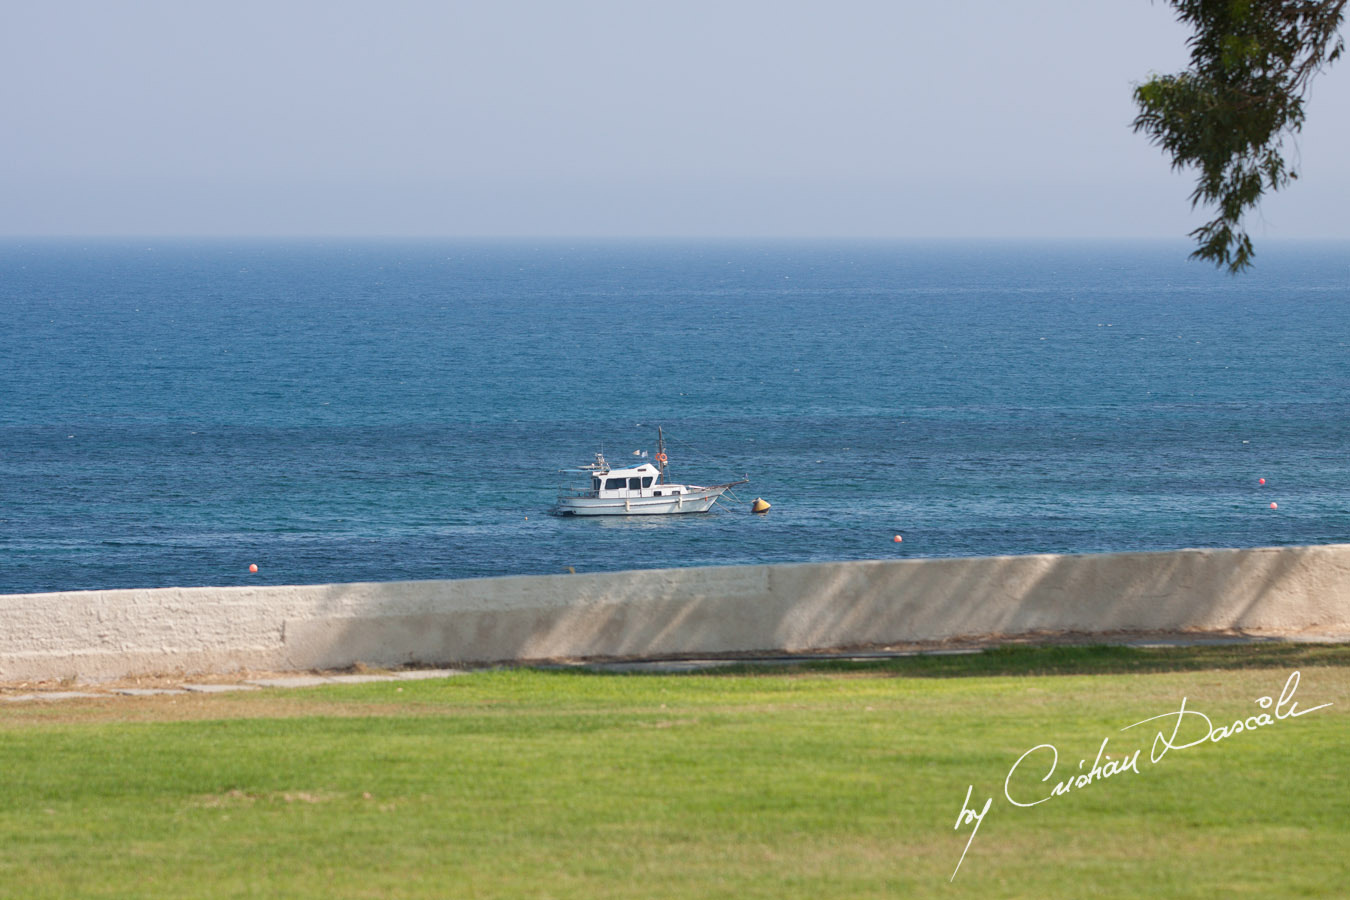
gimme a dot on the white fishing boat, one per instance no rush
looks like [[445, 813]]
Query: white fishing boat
[[641, 490]]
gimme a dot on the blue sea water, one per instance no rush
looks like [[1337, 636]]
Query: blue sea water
[[171, 412]]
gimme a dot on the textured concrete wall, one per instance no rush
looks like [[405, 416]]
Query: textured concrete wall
[[105, 634]]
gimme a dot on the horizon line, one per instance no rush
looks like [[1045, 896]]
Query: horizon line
[[682, 238]]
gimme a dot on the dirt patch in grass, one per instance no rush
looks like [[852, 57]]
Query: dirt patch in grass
[[261, 704], [172, 680], [237, 798]]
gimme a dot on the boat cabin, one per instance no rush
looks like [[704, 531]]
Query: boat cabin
[[638, 481]]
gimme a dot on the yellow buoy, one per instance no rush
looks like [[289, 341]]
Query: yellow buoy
[[760, 505]]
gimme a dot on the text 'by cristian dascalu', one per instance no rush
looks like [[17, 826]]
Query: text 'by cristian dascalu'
[[1181, 728]]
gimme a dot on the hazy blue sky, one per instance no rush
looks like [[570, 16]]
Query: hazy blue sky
[[497, 117]]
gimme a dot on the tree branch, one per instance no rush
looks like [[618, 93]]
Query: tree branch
[[1228, 113]]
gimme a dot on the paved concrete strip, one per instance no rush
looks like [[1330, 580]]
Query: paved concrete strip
[[422, 674], [1223, 641], [299, 681], [294, 682], [217, 688], [671, 667], [674, 666], [147, 692], [51, 695], [361, 679]]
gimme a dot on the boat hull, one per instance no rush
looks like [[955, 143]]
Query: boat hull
[[696, 501]]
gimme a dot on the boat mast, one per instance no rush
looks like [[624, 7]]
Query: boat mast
[[661, 452]]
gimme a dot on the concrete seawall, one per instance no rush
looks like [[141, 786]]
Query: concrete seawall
[[90, 635]]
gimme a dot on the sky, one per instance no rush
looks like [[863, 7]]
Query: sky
[[593, 118]]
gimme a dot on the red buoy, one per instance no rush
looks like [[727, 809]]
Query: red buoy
[[1274, 506], [898, 539], [253, 567], [1263, 481]]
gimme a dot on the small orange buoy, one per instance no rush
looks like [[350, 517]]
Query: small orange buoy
[[253, 567], [1274, 506], [1262, 480], [897, 539]]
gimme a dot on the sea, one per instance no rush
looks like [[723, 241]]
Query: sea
[[173, 412]]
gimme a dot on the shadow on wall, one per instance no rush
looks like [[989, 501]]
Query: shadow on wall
[[819, 606]]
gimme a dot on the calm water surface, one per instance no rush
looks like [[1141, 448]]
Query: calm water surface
[[172, 412]]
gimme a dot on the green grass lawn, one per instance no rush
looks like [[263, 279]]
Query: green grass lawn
[[813, 782]]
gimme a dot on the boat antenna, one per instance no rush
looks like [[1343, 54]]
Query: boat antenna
[[661, 452]]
